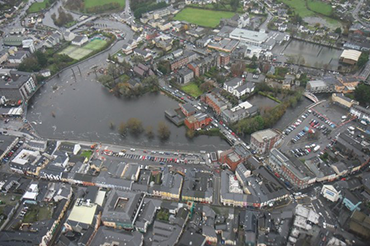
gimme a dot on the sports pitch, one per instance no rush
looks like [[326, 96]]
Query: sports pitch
[[77, 53]]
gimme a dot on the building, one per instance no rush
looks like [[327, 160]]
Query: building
[[343, 101], [15, 85], [18, 57], [143, 53], [82, 215], [197, 121], [294, 171], [360, 112], [350, 57], [28, 44], [183, 60], [171, 186], [249, 37], [167, 233], [226, 45], [263, 141], [223, 59], [187, 109], [184, 75], [197, 187], [109, 237], [239, 112], [190, 238], [330, 193], [121, 209], [217, 102], [234, 156], [80, 40]]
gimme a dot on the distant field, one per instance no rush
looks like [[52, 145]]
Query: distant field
[[78, 53], [36, 7], [203, 17], [93, 3], [299, 6], [320, 7]]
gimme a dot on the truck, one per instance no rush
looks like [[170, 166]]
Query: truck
[[316, 148]]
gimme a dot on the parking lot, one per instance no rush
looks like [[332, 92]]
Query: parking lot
[[315, 130]]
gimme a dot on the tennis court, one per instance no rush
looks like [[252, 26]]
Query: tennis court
[[78, 53]]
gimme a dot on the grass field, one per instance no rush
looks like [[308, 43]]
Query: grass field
[[299, 6], [96, 44], [320, 7], [93, 3], [36, 7], [192, 89], [36, 213], [77, 53], [203, 17]]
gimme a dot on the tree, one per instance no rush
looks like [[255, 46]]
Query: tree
[[163, 131], [206, 86], [238, 68], [135, 126], [364, 57], [338, 30], [112, 125], [362, 94], [190, 133], [41, 58], [122, 129], [234, 4], [149, 132], [30, 64]]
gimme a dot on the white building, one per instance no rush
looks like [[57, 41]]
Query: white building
[[249, 37], [330, 193], [80, 40]]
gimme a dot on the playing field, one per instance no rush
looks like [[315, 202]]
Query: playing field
[[78, 53], [96, 44], [93, 3], [36, 7], [203, 17]]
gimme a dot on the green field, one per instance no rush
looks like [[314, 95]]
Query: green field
[[93, 3], [77, 53], [96, 44], [320, 7], [203, 17], [36, 7], [192, 89], [299, 6]]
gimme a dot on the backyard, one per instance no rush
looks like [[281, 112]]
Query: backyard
[[192, 89], [203, 17], [37, 213]]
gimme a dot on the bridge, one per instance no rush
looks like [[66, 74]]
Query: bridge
[[311, 96]]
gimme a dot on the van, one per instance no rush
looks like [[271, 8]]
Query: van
[[132, 149]]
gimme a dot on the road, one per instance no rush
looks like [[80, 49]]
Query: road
[[355, 14]]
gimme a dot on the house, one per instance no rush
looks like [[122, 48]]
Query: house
[[80, 40], [217, 102], [18, 57], [143, 53], [238, 88], [184, 75], [197, 121], [232, 84], [69, 36], [3, 55]]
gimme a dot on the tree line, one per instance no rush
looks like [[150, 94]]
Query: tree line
[[135, 127]]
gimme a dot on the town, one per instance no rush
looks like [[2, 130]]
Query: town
[[184, 122]]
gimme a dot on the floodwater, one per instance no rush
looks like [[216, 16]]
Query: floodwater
[[314, 55]]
